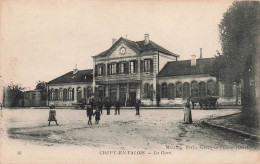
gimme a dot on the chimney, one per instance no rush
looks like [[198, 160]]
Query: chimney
[[75, 70], [146, 39], [193, 60], [200, 53], [113, 40]]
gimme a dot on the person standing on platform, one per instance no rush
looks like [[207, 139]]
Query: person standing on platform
[[137, 106], [117, 105]]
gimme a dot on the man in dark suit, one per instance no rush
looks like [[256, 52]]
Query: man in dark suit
[[137, 106], [108, 106], [117, 105]]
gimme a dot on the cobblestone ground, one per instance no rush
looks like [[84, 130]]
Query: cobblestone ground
[[153, 130]]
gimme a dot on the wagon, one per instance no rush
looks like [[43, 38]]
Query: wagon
[[208, 102], [82, 103]]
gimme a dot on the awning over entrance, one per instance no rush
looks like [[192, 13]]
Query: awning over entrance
[[118, 82]]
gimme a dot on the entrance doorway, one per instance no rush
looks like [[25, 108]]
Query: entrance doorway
[[132, 98], [79, 94], [132, 94], [113, 91], [122, 94]]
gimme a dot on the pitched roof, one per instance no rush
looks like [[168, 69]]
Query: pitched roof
[[79, 76], [183, 67], [139, 46], [153, 46]]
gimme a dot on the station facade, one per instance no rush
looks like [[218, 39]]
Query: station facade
[[143, 70]]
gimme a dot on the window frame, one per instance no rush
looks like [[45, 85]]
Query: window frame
[[147, 65]]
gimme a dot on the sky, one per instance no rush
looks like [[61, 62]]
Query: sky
[[41, 40]]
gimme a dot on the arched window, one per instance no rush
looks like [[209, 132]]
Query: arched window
[[211, 88], [89, 91], [171, 91], [51, 95], [164, 90], [65, 94], [70, 94], [146, 90], [60, 96], [186, 90], [194, 89], [79, 94], [178, 90], [56, 92], [202, 89], [151, 92]]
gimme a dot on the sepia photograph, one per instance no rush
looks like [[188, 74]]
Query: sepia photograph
[[134, 82]]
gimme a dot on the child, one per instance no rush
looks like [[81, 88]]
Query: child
[[52, 115], [89, 114], [97, 116]]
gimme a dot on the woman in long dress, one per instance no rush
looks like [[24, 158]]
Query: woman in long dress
[[187, 113]]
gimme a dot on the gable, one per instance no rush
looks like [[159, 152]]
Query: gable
[[122, 50]]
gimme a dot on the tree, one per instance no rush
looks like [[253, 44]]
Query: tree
[[238, 41], [42, 86], [217, 69], [13, 93]]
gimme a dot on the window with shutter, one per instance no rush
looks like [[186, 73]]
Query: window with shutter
[[147, 65], [113, 69]]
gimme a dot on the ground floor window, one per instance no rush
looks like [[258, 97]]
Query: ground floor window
[[60, 96], [171, 91], [194, 89], [164, 90], [65, 94], [210, 88], [56, 92], [186, 90], [178, 90], [202, 89], [71, 94]]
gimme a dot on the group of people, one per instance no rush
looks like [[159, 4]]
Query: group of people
[[98, 106]]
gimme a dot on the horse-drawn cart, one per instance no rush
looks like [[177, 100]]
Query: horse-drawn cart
[[208, 102]]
